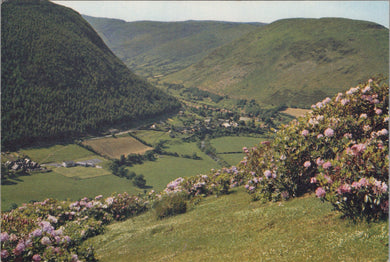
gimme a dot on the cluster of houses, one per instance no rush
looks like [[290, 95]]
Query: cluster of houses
[[23, 164], [87, 163]]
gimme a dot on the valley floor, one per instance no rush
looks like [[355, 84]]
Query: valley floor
[[232, 228]]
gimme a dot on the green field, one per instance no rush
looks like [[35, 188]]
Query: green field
[[114, 147], [167, 168], [53, 185], [151, 136], [58, 153], [82, 172], [233, 228], [232, 159], [234, 143]]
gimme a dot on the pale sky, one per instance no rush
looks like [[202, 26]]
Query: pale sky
[[235, 11]]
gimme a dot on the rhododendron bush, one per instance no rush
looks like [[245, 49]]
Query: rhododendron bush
[[54, 230], [339, 149]]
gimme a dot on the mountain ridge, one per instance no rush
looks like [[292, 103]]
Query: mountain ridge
[[153, 48], [297, 52], [67, 84]]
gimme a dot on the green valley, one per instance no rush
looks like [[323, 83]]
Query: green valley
[[154, 49], [192, 141], [293, 62]]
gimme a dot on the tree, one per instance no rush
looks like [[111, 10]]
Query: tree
[[139, 181]]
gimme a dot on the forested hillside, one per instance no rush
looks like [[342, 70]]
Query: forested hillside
[[294, 61], [59, 79], [157, 48]]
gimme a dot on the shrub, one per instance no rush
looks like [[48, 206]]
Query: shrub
[[139, 181], [340, 144], [170, 205]]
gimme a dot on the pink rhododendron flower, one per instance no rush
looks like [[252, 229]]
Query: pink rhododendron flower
[[320, 192], [19, 248], [37, 258], [344, 101], [378, 111], [326, 100], [348, 135], [366, 128], [364, 116], [319, 161], [329, 132], [267, 173], [313, 180], [345, 188], [4, 237], [305, 132], [307, 164], [383, 132], [363, 182], [327, 165], [366, 89], [45, 241], [320, 136], [4, 254]]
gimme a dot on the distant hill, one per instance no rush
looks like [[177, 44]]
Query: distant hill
[[295, 62], [60, 80], [158, 48]]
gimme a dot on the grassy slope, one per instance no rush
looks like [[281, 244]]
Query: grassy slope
[[232, 228], [154, 48], [295, 61]]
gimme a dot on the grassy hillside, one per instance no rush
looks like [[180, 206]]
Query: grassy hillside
[[295, 62], [158, 48], [232, 228], [59, 79]]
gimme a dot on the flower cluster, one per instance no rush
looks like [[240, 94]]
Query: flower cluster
[[341, 141], [54, 231], [218, 182]]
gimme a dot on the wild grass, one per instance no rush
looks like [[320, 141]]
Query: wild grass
[[232, 228]]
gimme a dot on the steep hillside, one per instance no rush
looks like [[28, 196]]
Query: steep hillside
[[294, 61], [159, 48], [59, 79]]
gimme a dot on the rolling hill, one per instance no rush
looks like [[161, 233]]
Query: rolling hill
[[294, 62], [158, 48], [60, 80]]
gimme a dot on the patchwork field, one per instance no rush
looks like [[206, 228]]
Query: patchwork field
[[82, 172], [234, 143], [151, 136], [229, 148], [295, 112], [58, 153], [115, 147]]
